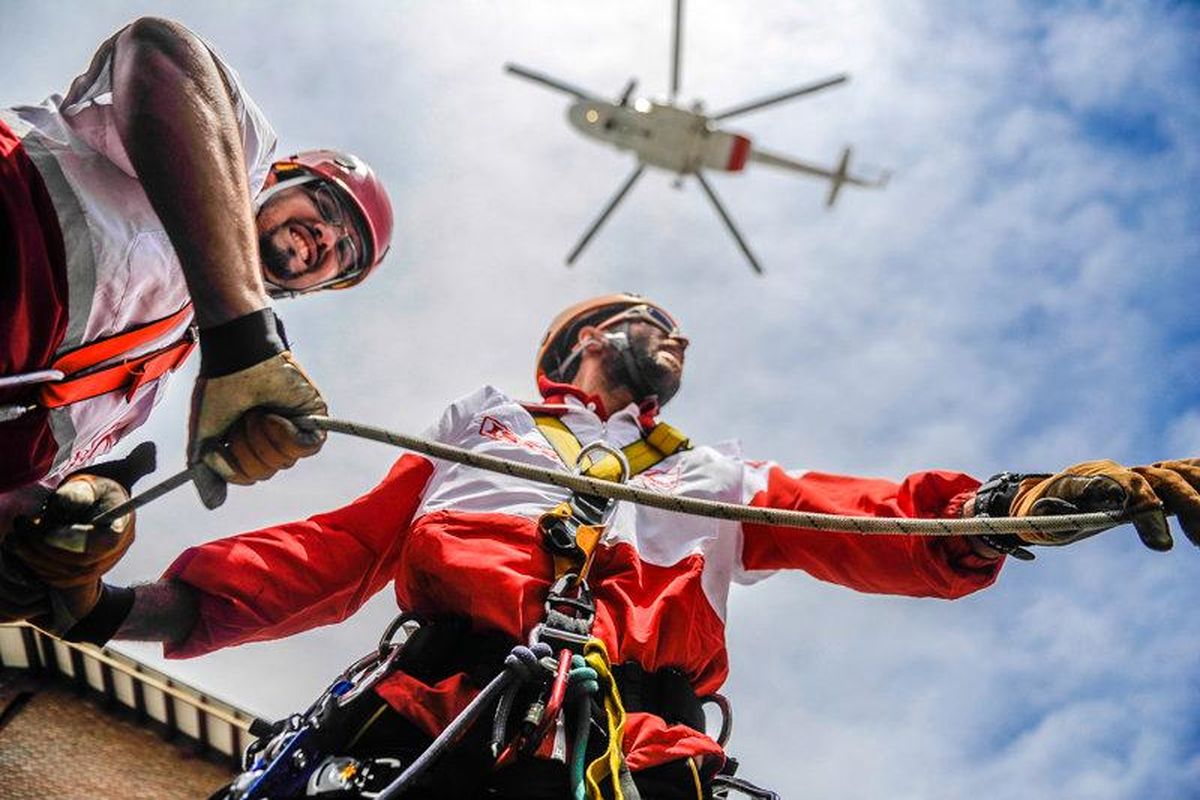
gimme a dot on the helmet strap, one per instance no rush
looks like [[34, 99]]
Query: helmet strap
[[619, 340]]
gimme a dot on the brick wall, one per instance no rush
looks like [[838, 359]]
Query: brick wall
[[58, 745]]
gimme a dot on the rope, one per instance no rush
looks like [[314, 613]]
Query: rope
[[517, 666], [584, 683], [716, 509]]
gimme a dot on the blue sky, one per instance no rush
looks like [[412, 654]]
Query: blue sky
[[1020, 297]]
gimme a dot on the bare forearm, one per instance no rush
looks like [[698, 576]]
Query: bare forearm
[[165, 611], [178, 125]]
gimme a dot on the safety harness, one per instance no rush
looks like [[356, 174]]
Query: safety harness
[[571, 532], [100, 367]]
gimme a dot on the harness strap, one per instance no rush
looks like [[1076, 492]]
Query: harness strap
[[665, 693], [94, 353], [85, 377], [610, 767], [573, 529], [661, 442], [127, 375]]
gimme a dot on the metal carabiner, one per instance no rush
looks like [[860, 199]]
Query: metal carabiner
[[582, 601], [386, 645], [726, 709], [615, 452]]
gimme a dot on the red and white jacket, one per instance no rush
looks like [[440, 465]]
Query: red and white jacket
[[458, 540]]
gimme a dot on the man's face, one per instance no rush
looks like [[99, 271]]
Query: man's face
[[298, 243], [659, 357]]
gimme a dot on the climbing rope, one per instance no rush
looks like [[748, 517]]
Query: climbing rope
[[1097, 521], [715, 508]]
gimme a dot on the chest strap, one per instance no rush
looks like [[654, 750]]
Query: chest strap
[[662, 441], [573, 528], [85, 378]]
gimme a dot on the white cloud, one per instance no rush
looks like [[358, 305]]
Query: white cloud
[[1019, 297]]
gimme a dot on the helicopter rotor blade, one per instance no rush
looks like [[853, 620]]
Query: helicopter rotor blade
[[771, 100], [546, 80], [675, 48], [606, 213], [724, 215]]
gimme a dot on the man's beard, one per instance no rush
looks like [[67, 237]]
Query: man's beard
[[275, 259], [651, 379]]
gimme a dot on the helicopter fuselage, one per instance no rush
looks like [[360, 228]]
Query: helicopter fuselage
[[662, 135]]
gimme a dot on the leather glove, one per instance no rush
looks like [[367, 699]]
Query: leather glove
[[62, 554], [228, 447], [1147, 493]]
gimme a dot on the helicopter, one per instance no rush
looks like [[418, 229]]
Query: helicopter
[[686, 140]]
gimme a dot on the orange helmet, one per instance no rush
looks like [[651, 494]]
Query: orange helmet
[[361, 189], [556, 358]]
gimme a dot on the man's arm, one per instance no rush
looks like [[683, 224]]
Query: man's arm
[[176, 119], [177, 122], [165, 611], [947, 567]]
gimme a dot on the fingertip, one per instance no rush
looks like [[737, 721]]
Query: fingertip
[[1154, 531]]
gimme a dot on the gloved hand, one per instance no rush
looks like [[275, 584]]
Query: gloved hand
[[1147, 493], [241, 450], [60, 555]]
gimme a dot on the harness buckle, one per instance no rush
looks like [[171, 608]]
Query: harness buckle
[[569, 617], [558, 638]]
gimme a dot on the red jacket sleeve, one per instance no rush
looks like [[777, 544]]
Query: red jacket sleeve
[[922, 566], [284, 579]]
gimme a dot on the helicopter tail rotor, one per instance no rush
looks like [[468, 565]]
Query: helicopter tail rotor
[[838, 179], [627, 92]]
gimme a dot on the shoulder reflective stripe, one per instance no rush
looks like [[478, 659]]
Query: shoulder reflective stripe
[[77, 239], [63, 428], [97, 352], [128, 376]]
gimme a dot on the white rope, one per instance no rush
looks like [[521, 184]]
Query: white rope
[[717, 509]]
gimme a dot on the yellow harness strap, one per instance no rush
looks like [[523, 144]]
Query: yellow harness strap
[[609, 767], [662, 441]]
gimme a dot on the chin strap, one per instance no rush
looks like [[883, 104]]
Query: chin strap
[[636, 380]]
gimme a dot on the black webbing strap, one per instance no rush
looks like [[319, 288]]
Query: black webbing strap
[[665, 693]]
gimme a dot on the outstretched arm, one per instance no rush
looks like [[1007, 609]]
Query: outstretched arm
[[165, 611], [176, 120], [909, 565]]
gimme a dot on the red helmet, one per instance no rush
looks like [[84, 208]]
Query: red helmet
[[358, 183]]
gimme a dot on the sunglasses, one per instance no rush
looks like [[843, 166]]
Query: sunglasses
[[645, 313], [330, 207]]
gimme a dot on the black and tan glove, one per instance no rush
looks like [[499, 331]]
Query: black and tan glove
[[246, 366], [1146, 494], [63, 555]]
